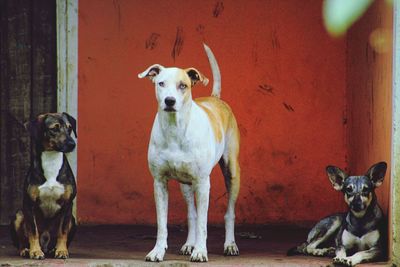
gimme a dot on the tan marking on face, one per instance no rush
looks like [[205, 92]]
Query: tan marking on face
[[54, 125], [33, 192], [367, 200], [220, 115]]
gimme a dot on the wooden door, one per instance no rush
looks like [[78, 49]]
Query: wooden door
[[28, 79]]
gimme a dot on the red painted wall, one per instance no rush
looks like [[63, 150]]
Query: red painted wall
[[369, 93], [283, 76]]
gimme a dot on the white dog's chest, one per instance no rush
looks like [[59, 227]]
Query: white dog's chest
[[51, 190], [180, 164], [362, 243]]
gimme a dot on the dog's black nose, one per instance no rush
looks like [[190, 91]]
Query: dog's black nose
[[70, 145], [170, 101]]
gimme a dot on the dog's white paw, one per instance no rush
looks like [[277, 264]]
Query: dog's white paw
[[186, 249], [36, 254], [199, 255], [231, 249], [157, 254], [342, 261]]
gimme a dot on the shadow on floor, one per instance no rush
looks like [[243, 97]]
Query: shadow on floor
[[123, 245]]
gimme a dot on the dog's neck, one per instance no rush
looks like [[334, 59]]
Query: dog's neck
[[47, 162], [174, 124], [359, 225], [52, 162]]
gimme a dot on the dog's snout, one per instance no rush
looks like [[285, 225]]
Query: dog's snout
[[69, 145], [357, 204], [170, 101]]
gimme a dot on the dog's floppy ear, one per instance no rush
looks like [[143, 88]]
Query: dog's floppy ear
[[196, 76], [35, 126], [151, 71], [336, 176], [71, 120], [377, 173]]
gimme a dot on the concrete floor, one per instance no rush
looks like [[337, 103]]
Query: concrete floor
[[121, 246]]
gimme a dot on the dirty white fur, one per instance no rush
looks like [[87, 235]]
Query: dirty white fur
[[51, 190], [367, 246], [189, 152], [361, 243], [183, 147]]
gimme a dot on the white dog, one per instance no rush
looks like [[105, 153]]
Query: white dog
[[189, 137]]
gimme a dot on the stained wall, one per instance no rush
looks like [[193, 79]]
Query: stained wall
[[283, 76]]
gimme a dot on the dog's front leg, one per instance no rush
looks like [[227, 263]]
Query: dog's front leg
[[202, 189], [64, 227], [341, 256], [359, 257], [188, 194], [35, 252], [161, 199]]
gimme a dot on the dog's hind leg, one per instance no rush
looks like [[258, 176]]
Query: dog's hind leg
[[229, 164], [188, 195], [18, 235], [321, 233]]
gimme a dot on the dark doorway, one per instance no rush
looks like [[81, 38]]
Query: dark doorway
[[28, 80]]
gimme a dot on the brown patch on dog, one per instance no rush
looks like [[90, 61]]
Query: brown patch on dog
[[62, 239], [219, 113], [35, 252], [33, 192], [68, 190], [19, 218]]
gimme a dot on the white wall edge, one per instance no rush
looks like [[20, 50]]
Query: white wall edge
[[395, 161], [67, 65]]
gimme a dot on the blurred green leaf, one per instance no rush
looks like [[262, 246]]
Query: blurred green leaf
[[339, 15]]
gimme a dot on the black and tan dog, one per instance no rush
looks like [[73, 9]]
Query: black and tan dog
[[359, 235], [45, 225]]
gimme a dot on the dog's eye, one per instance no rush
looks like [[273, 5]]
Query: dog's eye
[[365, 190], [161, 84], [182, 86], [55, 127], [349, 189]]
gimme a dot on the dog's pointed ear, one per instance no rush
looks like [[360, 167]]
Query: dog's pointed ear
[[196, 76], [71, 120], [35, 126], [151, 72], [336, 176], [377, 173]]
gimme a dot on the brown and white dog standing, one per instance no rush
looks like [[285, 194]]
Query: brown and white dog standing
[[189, 137], [45, 225]]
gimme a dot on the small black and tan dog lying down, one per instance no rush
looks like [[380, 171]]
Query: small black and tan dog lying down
[[45, 225], [360, 234]]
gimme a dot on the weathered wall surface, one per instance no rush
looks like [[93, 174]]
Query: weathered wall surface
[[283, 76], [369, 93]]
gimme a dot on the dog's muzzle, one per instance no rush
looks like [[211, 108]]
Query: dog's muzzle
[[68, 146], [169, 103], [357, 205]]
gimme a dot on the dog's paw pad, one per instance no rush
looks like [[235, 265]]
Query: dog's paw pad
[[156, 255], [199, 255], [186, 249], [24, 253], [61, 254], [36, 254], [231, 250], [342, 261], [331, 252]]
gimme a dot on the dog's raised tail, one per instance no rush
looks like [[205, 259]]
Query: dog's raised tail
[[216, 90]]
